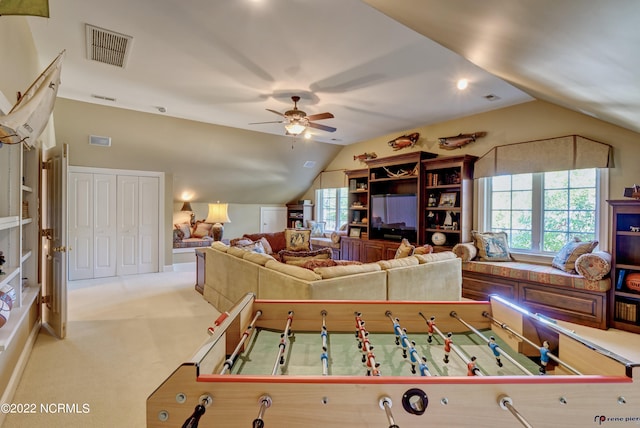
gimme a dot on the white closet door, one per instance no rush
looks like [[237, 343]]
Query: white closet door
[[128, 223], [105, 230], [80, 220], [148, 229]]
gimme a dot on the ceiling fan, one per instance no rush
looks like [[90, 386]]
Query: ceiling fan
[[296, 121]]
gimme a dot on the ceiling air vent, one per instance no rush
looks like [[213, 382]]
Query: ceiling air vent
[[96, 140], [309, 164], [107, 46]]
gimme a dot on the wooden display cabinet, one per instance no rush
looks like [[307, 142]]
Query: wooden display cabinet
[[447, 202], [358, 201], [624, 309], [298, 215]]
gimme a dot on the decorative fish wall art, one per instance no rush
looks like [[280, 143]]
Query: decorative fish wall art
[[459, 141], [404, 141]]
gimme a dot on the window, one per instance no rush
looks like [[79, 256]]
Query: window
[[332, 207], [540, 212]]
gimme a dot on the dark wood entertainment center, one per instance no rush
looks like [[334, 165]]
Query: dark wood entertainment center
[[440, 187]]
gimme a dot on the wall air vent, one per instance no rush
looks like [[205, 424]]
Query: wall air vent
[[102, 97], [107, 46], [96, 140]]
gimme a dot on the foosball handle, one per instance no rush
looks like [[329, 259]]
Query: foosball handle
[[192, 421]]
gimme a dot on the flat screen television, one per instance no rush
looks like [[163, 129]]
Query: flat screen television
[[394, 216]]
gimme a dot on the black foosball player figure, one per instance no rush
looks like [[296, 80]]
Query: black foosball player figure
[[544, 357], [2, 260], [431, 322], [495, 349], [472, 370], [447, 348]]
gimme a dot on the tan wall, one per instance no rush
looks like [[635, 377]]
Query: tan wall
[[524, 122], [20, 64]]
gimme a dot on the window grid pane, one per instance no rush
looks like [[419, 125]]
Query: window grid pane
[[568, 208], [332, 207]]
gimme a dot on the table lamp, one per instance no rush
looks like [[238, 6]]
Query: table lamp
[[218, 215]]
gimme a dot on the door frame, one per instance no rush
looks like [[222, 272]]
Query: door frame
[[161, 199]]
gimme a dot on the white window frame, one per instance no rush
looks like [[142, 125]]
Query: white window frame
[[483, 209], [319, 206]]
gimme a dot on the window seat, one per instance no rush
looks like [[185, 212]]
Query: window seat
[[544, 289]]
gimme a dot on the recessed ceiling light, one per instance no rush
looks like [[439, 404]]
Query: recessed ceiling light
[[462, 84], [309, 164]]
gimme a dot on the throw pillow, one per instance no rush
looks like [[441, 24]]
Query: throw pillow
[[297, 239], [255, 247], [266, 245], [594, 266], [185, 228], [425, 249], [202, 229], [492, 246], [316, 263], [300, 257], [317, 228], [566, 258], [182, 217], [404, 250], [177, 235]]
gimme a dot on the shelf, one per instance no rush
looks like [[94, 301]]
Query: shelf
[[26, 221], [404, 177], [443, 230], [454, 209], [9, 222], [26, 254], [8, 331], [627, 233], [627, 294], [627, 266], [358, 208], [10, 273]]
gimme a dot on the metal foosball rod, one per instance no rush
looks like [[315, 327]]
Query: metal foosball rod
[[410, 345], [469, 362], [229, 362], [497, 351], [265, 402], [506, 403], [324, 356], [385, 404], [544, 351], [283, 344]]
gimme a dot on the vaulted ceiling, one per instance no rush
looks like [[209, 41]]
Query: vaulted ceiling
[[379, 70]]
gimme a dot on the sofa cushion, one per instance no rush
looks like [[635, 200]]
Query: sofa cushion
[[258, 258], [405, 249], [220, 246], [492, 246], [395, 263], [435, 257], [338, 271], [236, 251], [276, 240], [297, 239], [255, 246], [298, 258], [566, 258], [594, 266], [292, 270]]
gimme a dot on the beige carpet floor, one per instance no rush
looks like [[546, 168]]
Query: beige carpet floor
[[125, 335]]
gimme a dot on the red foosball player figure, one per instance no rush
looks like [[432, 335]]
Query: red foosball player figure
[[544, 357], [447, 348], [431, 322], [472, 370]]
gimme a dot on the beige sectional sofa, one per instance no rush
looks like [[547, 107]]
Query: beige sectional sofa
[[231, 273]]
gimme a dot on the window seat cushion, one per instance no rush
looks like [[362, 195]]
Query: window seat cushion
[[540, 274]]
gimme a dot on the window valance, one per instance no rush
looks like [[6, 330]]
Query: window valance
[[331, 179], [552, 154]]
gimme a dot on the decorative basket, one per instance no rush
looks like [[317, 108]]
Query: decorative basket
[[633, 281]]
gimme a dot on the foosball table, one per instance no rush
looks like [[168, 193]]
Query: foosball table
[[395, 364]]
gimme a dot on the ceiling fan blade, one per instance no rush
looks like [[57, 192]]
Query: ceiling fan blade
[[320, 116], [322, 127], [258, 123], [276, 112]]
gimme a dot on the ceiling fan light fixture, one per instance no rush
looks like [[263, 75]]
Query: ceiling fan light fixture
[[295, 127]]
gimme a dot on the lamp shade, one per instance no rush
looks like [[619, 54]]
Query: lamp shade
[[218, 213], [186, 206], [295, 127]]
